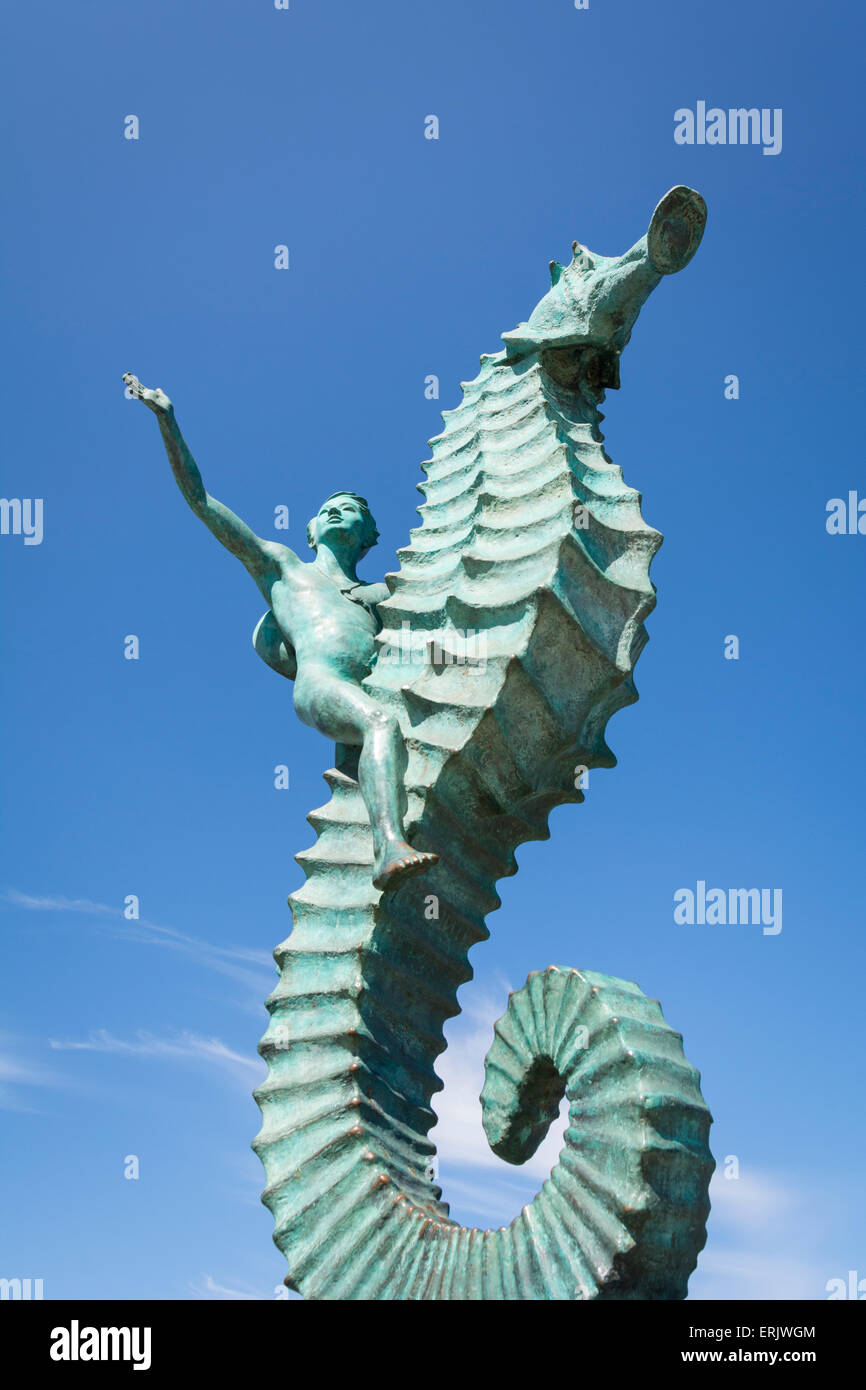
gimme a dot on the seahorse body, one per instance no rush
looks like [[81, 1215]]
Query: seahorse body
[[556, 611]]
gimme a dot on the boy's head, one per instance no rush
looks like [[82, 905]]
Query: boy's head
[[342, 519]]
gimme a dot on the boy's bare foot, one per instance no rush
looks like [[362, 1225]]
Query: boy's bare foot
[[399, 861]]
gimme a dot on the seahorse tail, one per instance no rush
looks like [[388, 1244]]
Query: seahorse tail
[[623, 1213]]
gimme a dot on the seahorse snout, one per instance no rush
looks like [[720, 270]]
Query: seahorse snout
[[595, 300], [675, 229]]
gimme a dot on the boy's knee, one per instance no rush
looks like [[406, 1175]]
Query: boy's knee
[[380, 721]]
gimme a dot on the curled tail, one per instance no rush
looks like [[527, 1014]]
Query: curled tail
[[622, 1215]]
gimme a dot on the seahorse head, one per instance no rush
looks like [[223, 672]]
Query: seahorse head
[[594, 301]]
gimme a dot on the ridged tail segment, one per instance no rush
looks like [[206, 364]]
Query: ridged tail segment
[[509, 639], [630, 1188]]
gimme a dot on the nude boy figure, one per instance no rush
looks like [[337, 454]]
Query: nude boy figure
[[319, 631]]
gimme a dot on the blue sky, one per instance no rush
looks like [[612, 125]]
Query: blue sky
[[409, 257]]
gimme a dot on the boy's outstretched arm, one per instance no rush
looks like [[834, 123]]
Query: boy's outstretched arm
[[261, 558]]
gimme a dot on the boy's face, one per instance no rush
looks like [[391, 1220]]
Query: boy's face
[[340, 521]]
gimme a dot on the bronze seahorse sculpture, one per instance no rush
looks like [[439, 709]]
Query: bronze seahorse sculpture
[[529, 537], [508, 638]]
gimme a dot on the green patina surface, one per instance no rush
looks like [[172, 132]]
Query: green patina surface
[[530, 540], [463, 694]]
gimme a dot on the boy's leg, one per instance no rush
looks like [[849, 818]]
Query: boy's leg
[[347, 714]]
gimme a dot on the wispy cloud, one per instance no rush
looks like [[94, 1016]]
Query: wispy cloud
[[57, 904], [18, 1081], [494, 1201], [763, 1240], [755, 1201], [241, 964], [459, 1135], [755, 1274], [208, 1287], [184, 1047]]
